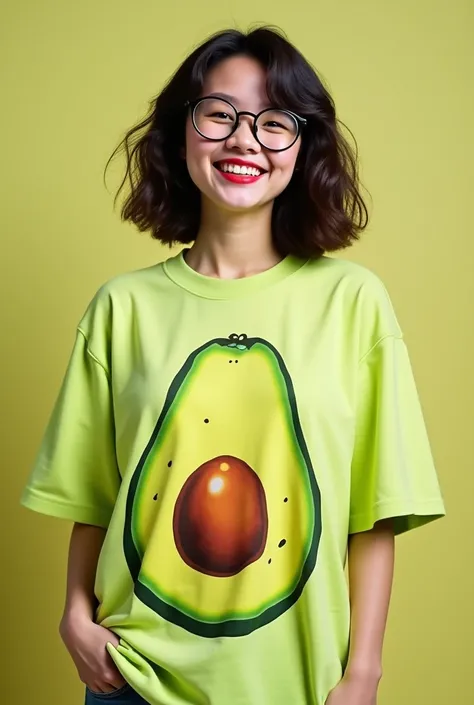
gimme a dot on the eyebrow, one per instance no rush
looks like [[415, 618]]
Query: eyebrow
[[231, 98], [226, 96]]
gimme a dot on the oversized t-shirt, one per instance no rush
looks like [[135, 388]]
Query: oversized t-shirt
[[230, 435]]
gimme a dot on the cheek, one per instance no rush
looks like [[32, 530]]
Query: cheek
[[197, 153], [285, 162], [190, 144], [284, 165]]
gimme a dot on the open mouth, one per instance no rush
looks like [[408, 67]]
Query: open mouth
[[238, 169]]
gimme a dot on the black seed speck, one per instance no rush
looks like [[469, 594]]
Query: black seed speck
[[286, 499], [236, 361], [156, 496], [206, 420], [170, 463], [230, 362], [269, 561], [282, 543]]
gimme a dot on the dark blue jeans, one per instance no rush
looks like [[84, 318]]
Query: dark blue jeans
[[123, 696]]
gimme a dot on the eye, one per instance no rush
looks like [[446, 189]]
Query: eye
[[276, 125], [277, 122], [220, 116]]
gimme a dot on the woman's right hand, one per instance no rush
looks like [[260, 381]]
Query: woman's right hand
[[86, 642]]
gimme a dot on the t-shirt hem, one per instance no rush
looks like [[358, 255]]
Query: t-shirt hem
[[411, 515], [62, 510]]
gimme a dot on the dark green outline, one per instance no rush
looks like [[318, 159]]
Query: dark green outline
[[231, 627]]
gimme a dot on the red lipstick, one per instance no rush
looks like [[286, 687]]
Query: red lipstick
[[239, 178]]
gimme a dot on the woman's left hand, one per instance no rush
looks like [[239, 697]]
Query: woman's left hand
[[353, 691]]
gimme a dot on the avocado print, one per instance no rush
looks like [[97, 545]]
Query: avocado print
[[223, 515]]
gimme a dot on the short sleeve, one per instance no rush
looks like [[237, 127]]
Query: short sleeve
[[75, 475], [393, 473]]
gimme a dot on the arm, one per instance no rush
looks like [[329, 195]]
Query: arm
[[84, 549], [85, 640], [371, 563]]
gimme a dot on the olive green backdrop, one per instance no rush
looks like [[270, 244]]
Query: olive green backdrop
[[75, 76]]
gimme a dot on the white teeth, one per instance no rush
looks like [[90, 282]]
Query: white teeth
[[244, 170]]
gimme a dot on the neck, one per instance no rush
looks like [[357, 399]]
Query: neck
[[232, 245]]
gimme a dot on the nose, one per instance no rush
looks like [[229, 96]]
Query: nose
[[243, 138]]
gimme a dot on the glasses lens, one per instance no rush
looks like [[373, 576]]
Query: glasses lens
[[276, 129], [214, 118]]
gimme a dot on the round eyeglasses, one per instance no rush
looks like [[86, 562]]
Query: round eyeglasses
[[216, 119]]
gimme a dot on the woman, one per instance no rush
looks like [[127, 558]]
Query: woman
[[235, 419]]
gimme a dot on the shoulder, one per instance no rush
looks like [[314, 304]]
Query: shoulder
[[116, 295], [348, 274], [360, 294]]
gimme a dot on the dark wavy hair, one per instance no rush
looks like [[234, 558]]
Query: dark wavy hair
[[320, 210]]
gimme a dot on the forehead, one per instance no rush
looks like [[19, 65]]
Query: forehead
[[240, 79]]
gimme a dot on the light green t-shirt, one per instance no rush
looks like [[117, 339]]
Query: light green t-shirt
[[231, 434]]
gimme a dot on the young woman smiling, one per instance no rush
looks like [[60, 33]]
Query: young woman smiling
[[239, 420]]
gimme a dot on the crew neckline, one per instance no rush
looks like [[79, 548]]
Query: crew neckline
[[179, 271]]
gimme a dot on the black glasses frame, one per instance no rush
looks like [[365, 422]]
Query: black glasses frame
[[193, 104]]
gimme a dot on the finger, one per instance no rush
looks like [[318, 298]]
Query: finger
[[111, 674], [111, 687], [96, 687], [116, 685], [114, 679], [103, 687]]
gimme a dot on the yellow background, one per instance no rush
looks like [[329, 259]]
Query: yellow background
[[75, 75]]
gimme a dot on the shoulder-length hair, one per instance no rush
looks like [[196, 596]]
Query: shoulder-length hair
[[320, 210]]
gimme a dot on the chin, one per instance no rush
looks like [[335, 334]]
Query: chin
[[241, 201], [241, 205]]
